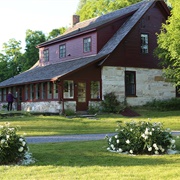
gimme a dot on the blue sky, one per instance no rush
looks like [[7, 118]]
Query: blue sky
[[16, 16]]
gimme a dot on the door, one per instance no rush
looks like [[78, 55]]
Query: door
[[82, 104]]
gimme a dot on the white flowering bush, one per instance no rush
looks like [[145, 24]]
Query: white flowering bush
[[13, 147], [141, 138]]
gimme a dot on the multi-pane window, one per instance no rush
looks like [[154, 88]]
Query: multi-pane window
[[62, 51], [55, 93], [95, 90], [4, 94], [31, 91], [68, 91], [49, 89], [130, 83], [26, 92], [43, 90], [38, 88], [46, 55], [144, 43], [87, 44]]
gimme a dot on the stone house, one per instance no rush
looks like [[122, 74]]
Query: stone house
[[110, 53]]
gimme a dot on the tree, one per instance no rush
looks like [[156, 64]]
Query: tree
[[56, 32], [31, 55], [168, 49], [10, 59], [92, 8]]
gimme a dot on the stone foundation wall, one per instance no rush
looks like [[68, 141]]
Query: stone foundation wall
[[150, 85], [50, 106]]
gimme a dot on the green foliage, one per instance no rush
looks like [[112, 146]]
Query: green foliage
[[12, 146], [69, 112], [110, 104], [93, 109], [141, 138], [31, 55], [10, 59], [164, 105], [92, 8], [168, 49], [56, 32]]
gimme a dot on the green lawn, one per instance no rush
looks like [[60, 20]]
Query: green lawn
[[90, 160], [60, 125]]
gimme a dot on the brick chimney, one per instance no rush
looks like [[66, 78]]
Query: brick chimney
[[75, 19]]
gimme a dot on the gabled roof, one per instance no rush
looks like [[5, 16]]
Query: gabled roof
[[51, 72], [94, 23], [55, 71]]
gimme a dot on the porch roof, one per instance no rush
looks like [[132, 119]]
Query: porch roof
[[50, 72]]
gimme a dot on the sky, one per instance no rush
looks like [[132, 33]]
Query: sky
[[16, 16]]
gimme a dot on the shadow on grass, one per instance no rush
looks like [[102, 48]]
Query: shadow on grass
[[92, 154]]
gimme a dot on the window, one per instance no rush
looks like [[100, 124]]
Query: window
[[144, 43], [4, 94], [46, 55], [49, 89], [26, 92], [130, 83], [55, 86], [43, 89], [87, 44], [68, 91], [62, 51], [38, 91], [31, 91], [95, 90]]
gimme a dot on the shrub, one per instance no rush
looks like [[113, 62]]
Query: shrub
[[93, 109], [13, 147], [69, 112], [141, 138], [110, 104], [164, 105]]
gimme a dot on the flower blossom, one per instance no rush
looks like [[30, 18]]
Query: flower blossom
[[131, 151], [127, 141], [20, 149], [120, 150], [150, 149], [23, 143], [2, 141], [21, 139], [117, 141]]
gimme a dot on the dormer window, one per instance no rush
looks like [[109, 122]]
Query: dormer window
[[144, 43], [62, 51], [87, 44], [46, 55]]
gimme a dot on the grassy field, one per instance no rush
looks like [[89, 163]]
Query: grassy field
[[89, 160], [60, 125]]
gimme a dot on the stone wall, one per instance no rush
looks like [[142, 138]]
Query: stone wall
[[49, 106], [150, 85]]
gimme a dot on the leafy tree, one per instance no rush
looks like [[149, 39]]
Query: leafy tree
[[92, 8], [168, 49], [10, 59], [31, 55], [56, 32]]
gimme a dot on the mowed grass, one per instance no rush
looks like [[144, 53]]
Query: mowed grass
[[89, 160], [106, 123]]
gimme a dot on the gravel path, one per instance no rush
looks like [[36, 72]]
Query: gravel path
[[70, 138]]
